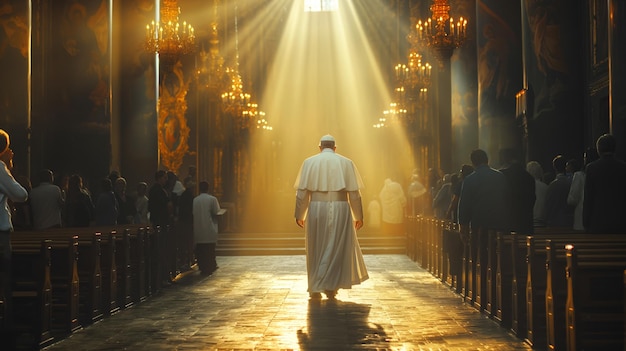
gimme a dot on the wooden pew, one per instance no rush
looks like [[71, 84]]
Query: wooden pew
[[556, 282], [545, 284], [108, 270], [65, 286], [503, 310], [124, 269], [595, 302], [452, 251], [88, 268], [64, 279], [519, 272], [31, 290], [411, 230], [138, 258]]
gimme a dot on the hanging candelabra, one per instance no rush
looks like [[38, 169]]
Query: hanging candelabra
[[415, 74], [440, 32], [167, 37], [235, 100]]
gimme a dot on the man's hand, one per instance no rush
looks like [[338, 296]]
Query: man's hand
[[358, 224], [300, 223]]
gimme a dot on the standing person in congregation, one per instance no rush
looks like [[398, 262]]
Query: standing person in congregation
[[328, 203], [521, 194], [441, 202], [576, 195], [107, 207], [10, 190], [393, 203], [161, 215], [47, 202], [482, 204], [141, 204], [482, 207], [205, 208], [557, 212], [185, 225], [126, 203], [604, 203], [541, 188], [79, 208], [416, 192], [453, 209]]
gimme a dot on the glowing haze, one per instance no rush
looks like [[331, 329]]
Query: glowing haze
[[325, 79]]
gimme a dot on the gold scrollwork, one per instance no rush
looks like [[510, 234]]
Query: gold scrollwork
[[172, 124]]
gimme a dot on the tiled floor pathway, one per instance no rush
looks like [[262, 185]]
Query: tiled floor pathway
[[261, 303]]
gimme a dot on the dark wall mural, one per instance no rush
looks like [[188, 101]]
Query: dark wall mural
[[498, 39], [71, 118], [464, 89], [552, 54], [14, 55], [137, 93]]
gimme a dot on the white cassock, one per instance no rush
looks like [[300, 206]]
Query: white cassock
[[328, 197]]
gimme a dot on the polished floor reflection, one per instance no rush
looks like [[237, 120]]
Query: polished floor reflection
[[261, 303]]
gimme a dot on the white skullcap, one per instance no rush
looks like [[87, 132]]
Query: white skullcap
[[327, 137]]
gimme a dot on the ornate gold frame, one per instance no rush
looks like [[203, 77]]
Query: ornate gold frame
[[173, 131]]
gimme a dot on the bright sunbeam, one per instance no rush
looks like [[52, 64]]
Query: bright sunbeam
[[325, 78]]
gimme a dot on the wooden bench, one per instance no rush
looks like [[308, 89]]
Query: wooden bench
[[452, 251], [411, 232], [31, 291], [545, 284], [595, 301], [519, 272], [556, 282], [88, 268]]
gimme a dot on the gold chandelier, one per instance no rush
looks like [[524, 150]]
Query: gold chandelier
[[414, 75], [440, 32], [235, 100], [168, 38]]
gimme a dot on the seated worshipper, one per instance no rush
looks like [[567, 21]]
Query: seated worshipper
[[205, 210], [328, 201]]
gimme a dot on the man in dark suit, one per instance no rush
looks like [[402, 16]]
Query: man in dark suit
[[521, 194], [605, 190]]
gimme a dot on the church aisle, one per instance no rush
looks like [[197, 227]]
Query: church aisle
[[261, 303]]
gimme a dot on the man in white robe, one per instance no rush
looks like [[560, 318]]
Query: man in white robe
[[328, 197], [205, 209]]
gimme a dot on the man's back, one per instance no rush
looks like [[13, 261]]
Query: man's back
[[328, 171], [557, 212], [521, 197], [605, 196], [46, 201], [482, 201]]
